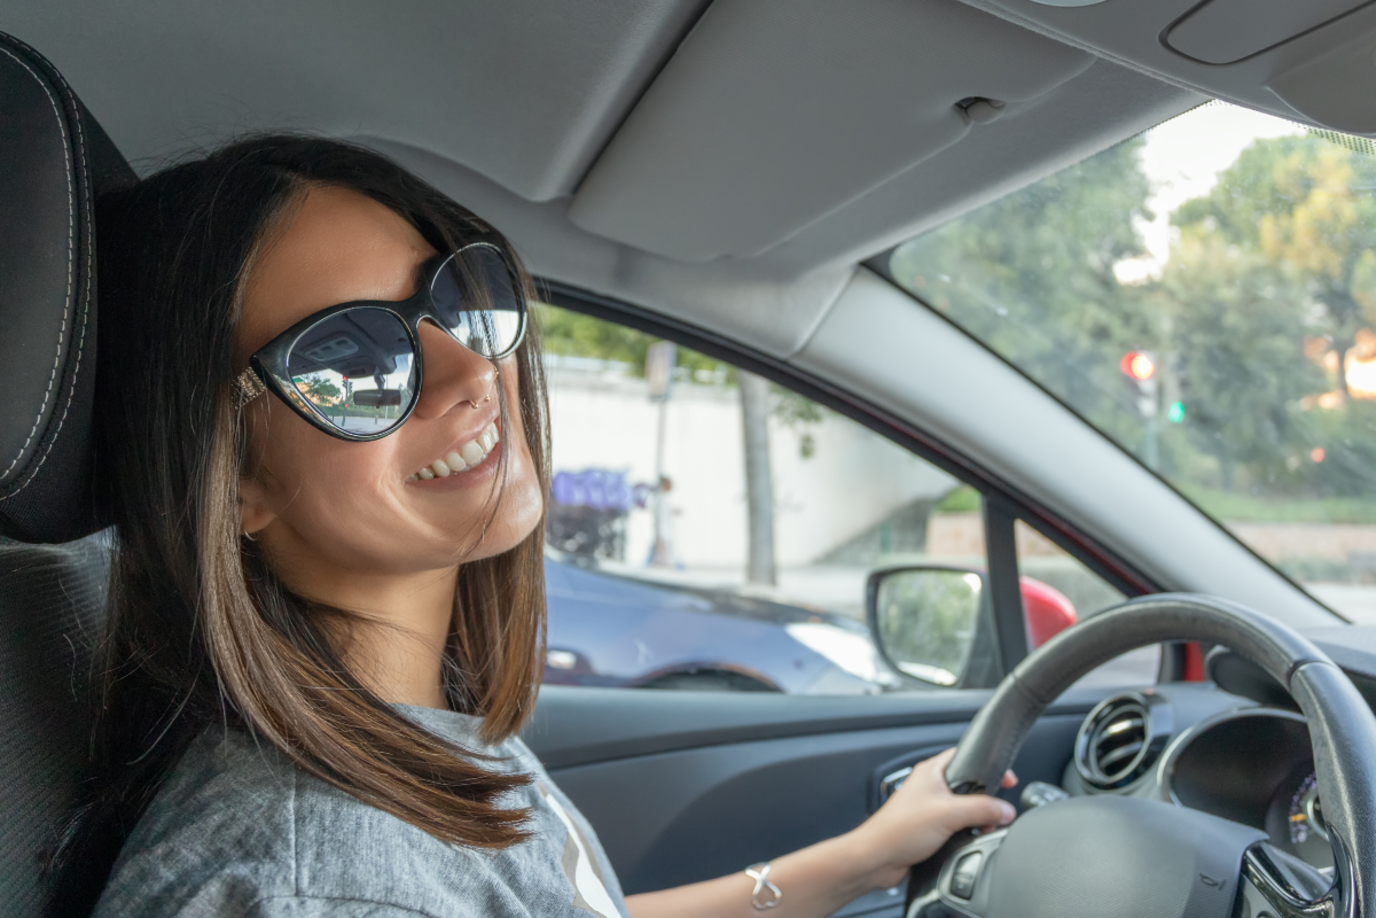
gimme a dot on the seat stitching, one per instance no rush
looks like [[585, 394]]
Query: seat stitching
[[87, 233], [71, 221]]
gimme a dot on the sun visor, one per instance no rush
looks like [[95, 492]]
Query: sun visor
[[774, 113], [1226, 31], [1334, 89]]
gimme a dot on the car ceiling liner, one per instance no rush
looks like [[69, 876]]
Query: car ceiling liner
[[1310, 62], [773, 114]]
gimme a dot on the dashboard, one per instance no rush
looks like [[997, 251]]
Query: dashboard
[[1198, 746]]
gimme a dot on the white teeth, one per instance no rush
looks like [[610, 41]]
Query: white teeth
[[472, 453], [465, 457]]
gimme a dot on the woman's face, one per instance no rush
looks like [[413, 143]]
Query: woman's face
[[318, 503]]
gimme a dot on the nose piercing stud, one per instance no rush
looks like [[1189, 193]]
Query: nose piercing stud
[[488, 396]]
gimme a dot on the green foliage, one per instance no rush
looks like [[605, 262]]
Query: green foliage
[[569, 333], [798, 413], [1280, 250], [1229, 505], [1237, 332], [1304, 206], [565, 332], [963, 499], [1032, 275], [1273, 266], [319, 389]]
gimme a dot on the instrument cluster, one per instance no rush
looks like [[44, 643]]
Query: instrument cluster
[[1249, 764]]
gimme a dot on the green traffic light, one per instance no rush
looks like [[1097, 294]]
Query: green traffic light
[[1176, 413]]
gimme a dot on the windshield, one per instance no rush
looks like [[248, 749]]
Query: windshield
[[1204, 294]]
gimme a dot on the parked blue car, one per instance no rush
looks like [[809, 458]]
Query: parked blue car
[[610, 630]]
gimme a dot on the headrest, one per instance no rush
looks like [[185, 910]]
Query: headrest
[[54, 159]]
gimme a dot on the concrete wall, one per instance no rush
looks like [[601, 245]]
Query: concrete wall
[[961, 535], [1337, 542], [853, 480]]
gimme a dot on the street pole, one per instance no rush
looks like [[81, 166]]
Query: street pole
[[1141, 368], [662, 555], [659, 373], [1151, 455], [759, 486]]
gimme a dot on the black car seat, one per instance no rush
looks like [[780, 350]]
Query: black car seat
[[54, 159]]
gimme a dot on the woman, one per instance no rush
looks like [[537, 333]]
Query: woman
[[323, 441]]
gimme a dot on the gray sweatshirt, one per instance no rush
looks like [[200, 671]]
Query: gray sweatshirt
[[237, 830]]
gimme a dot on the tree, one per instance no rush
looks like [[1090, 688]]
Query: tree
[[565, 332], [1304, 204], [1033, 276], [1277, 258], [798, 413], [319, 390], [1237, 330], [1288, 237]]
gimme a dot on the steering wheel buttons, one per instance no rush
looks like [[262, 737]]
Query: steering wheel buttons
[[964, 875]]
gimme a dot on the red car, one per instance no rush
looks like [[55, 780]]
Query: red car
[[1048, 612]]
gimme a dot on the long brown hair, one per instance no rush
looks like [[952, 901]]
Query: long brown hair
[[202, 631]]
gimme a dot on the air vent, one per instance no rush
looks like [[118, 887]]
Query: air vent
[[1116, 743]]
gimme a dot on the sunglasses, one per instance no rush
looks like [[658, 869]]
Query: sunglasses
[[354, 370]]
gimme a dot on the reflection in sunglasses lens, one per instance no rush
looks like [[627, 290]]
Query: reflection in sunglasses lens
[[475, 298], [357, 368]]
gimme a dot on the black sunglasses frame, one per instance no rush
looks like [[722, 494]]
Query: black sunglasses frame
[[267, 368]]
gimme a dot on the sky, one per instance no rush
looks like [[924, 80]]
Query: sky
[[1182, 158]]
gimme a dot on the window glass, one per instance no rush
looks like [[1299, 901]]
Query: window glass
[[711, 530], [1205, 294], [1058, 592]]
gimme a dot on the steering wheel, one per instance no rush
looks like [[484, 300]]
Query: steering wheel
[[1108, 855]]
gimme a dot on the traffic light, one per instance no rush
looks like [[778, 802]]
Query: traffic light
[[1173, 383], [1140, 367]]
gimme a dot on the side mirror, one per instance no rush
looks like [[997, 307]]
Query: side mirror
[[924, 619]]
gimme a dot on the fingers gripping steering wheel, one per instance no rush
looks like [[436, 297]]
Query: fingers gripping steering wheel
[[1119, 856]]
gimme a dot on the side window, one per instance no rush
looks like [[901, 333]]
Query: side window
[[711, 530], [1058, 592]]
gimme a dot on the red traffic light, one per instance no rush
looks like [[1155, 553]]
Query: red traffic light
[[1138, 365]]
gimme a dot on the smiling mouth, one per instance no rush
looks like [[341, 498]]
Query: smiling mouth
[[461, 459]]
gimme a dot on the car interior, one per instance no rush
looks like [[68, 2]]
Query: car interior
[[731, 175]]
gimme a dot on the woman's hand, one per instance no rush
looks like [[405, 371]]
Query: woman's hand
[[920, 816], [910, 827]]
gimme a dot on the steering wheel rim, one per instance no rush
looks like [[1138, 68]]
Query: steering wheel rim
[[1342, 726]]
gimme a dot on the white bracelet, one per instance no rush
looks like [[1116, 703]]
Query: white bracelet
[[766, 895]]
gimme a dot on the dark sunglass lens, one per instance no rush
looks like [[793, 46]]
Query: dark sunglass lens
[[476, 299], [357, 369]]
